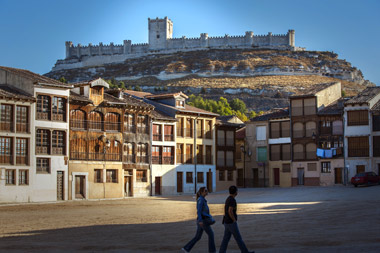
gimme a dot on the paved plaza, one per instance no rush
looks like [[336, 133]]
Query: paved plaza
[[298, 219]]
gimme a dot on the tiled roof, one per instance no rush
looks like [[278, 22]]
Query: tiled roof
[[313, 90], [157, 114], [376, 107], [13, 93], [364, 96], [95, 81], [275, 114], [139, 94], [166, 95], [189, 108], [129, 100], [75, 97], [334, 108], [36, 78]]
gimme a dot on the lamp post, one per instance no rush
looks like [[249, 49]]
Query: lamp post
[[242, 148]]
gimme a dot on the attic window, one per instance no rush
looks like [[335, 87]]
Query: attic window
[[180, 103]]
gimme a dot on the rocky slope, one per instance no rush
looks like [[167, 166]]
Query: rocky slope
[[262, 78]]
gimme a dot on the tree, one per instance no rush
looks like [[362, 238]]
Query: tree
[[241, 116], [238, 105], [252, 114], [62, 79], [122, 85], [137, 88]]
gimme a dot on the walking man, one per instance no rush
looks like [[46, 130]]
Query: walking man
[[230, 223]]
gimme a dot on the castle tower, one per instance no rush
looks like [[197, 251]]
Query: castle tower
[[159, 31], [291, 36]]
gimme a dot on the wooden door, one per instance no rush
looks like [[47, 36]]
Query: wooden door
[[128, 186], [240, 178], [157, 187], [338, 175], [79, 187], [300, 175], [360, 169], [179, 181], [209, 181], [255, 177], [60, 191], [276, 174]]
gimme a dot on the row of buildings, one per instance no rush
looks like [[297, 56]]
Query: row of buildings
[[85, 141]]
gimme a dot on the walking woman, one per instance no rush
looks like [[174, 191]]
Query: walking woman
[[204, 222]]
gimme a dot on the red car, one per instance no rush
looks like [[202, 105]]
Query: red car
[[365, 178]]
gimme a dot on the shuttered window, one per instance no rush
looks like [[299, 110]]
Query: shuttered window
[[357, 118], [358, 146]]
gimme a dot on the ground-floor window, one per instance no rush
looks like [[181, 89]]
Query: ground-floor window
[[43, 165], [23, 177], [200, 178], [326, 167], [286, 167], [98, 177], [111, 176], [10, 177], [141, 176], [221, 175], [230, 175], [189, 177]]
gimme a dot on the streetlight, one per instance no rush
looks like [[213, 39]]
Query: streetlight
[[242, 148]]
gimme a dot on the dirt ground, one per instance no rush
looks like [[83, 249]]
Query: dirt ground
[[299, 219]]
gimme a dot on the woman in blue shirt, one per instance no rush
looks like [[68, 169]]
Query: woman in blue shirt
[[204, 222]]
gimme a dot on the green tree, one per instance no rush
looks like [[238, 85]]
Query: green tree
[[122, 85], [238, 105], [62, 79], [252, 114], [137, 88], [241, 116]]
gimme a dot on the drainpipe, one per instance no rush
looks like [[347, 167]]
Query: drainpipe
[[150, 151], [195, 153]]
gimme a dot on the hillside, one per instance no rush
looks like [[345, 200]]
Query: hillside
[[262, 78]]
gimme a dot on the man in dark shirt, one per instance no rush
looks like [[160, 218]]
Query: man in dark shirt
[[230, 223]]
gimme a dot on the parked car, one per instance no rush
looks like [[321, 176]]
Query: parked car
[[366, 178]]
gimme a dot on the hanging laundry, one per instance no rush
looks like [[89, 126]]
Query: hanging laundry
[[320, 152]]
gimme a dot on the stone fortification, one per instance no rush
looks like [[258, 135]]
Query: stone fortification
[[161, 41]]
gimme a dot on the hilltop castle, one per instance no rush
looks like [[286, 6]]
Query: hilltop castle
[[161, 41]]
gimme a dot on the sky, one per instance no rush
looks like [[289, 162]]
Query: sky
[[33, 32]]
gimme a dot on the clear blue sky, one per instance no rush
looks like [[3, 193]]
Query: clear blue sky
[[33, 32]]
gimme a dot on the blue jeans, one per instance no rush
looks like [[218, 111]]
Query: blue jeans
[[232, 229], [198, 236]]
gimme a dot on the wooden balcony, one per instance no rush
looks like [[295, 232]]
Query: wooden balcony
[[6, 159], [6, 126]]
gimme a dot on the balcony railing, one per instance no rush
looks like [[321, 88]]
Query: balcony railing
[[58, 117], [326, 130], [6, 159], [169, 137], [95, 156], [42, 150], [78, 155], [112, 126], [311, 155], [309, 110], [298, 155], [22, 127], [95, 125], [157, 137], [310, 132], [162, 159], [199, 133], [142, 159], [6, 126], [298, 133], [142, 129], [129, 158], [22, 160], [189, 132], [129, 128], [42, 116], [188, 159], [180, 158], [358, 152], [58, 151], [179, 132]]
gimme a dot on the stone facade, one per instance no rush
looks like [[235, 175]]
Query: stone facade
[[161, 41]]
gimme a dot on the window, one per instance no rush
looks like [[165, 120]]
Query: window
[[221, 175], [297, 107], [59, 109], [309, 106], [43, 165], [261, 154], [142, 150], [111, 176], [337, 127], [142, 122], [6, 150], [298, 152], [58, 139], [358, 146], [180, 127], [286, 168], [22, 119], [180, 152], [43, 107], [199, 128], [6, 118], [98, 177], [113, 153], [168, 155], [157, 132], [208, 154], [112, 122], [97, 91], [230, 138], [275, 154], [42, 141], [285, 129], [189, 177], [311, 167], [10, 177], [261, 133], [285, 152], [168, 132], [200, 159], [311, 129], [208, 129], [298, 131], [311, 151], [95, 121], [221, 138], [23, 177], [77, 119], [141, 176], [200, 178], [376, 122], [230, 175], [376, 146], [129, 151], [129, 123], [189, 127], [326, 167], [220, 162], [357, 118], [230, 159], [189, 153], [275, 130], [21, 151]]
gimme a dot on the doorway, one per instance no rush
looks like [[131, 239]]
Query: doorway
[[255, 177], [300, 175], [338, 175], [79, 187], [60, 180], [157, 188], [179, 181], [276, 174], [128, 186], [240, 177], [360, 169], [209, 181]]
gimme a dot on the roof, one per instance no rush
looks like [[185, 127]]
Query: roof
[[75, 97], [334, 108], [139, 94], [376, 107], [36, 78], [310, 92], [13, 93], [274, 114], [93, 83], [365, 96], [240, 134], [158, 115], [166, 95], [113, 96], [225, 121]]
